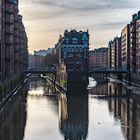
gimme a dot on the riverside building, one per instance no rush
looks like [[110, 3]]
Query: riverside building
[[98, 58], [74, 59], [114, 53], [13, 47], [135, 43]]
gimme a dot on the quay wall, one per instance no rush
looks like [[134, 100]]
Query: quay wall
[[8, 88]]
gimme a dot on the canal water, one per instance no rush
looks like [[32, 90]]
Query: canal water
[[108, 111]]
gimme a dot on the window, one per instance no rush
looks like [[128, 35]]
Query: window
[[67, 41], [74, 41]]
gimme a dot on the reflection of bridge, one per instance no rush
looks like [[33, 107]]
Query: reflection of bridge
[[108, 70], [53, 71]]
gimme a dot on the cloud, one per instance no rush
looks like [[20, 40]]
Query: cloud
[[57, 8], [52, 17], [88, 5]]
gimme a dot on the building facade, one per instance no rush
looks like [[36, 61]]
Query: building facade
[[114, 53], [43, 52], [74, 56], [37, 62], [98, 58], [135, 43], [125, 48], [13, 46]]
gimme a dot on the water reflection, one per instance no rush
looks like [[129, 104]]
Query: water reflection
[[108, 112], [40, 86], [13, 118], [73, 116], [124, 106], [128, 111], [110, 89]]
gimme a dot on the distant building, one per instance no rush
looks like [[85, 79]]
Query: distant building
[[36, 61], [43, 52], [125, 48], [98, 58], [114, 53]]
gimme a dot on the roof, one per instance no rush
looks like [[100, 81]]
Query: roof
[[73, 35], [99, 50]]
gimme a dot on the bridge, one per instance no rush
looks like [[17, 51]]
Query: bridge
[[53, 71], [108, 70]]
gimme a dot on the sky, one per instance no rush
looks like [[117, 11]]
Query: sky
[[45, 20]]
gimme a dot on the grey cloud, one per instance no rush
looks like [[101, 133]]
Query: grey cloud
[[111, 25], [101, 15], [59, 8], [88, 4]]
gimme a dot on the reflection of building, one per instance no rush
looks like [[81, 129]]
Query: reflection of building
[[35, 82], [13, 118], [115, 89], [127, 110], [74, 117], [100, 89]]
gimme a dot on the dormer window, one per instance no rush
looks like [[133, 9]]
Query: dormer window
[[74, 41], [67, 41]]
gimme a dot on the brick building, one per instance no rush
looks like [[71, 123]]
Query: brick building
[[135, 43], [13, 41], [98, 58], [114, 53], [13, 46]]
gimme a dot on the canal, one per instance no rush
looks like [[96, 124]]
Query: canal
[[108, 111]]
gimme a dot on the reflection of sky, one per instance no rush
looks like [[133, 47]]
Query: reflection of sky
[[43, 117], [102, 125], [38, 91], [46, 19], [42, 120]]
